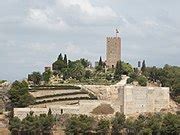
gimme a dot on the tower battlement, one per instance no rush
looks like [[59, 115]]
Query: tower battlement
[[111, 38]]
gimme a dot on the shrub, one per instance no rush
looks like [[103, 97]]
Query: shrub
[[65, 99], [142, 80], [62, 94], [54, 87], [130, 80]]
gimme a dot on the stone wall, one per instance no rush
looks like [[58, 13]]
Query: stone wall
[[84, 107], [21, 113], [128, 99], [103, 92], [145, 99]]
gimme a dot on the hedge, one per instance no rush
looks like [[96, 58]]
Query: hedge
[[63, 94], [62, 87], [64, 99]]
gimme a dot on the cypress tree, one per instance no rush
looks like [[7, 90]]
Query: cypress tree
[[49, 112], [60, 57], [118, 71], [65, 60], [143, 68], [100, 62]]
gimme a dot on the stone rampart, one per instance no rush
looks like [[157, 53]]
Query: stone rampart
[[145, 99]]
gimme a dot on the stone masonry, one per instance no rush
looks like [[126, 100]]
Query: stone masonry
[[113, 51], [127, 99], [138, 99]]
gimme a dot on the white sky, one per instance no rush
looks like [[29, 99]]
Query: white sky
[[34, 32]]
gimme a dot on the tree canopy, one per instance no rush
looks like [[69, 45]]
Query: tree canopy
[[19, 94]]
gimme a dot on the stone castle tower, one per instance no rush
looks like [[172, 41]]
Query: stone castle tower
[[113, 51]]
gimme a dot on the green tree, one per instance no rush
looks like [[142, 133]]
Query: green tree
[[126, 68], [36, 78], [32, 125], [118, 123], [145, 131], [88, 74], [77, 71], [65, 60], [171, 124], [46, 76], [130, 80], [100, 62], [143, 68], [118, 71], [154, 123], [103, 127], [58, 65], [142, 80], [19, 94], [15, 125], [129, 126], [60, 57], [79, 124], [84, 62]]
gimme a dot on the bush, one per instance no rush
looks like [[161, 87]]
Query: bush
[[177, 99], [142, 80], [130, 80], [54, 87], [65, 99], [63, 94]]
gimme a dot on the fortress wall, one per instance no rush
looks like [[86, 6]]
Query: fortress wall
[[103, 92], [126, 99], [21, 113], [145, 99]]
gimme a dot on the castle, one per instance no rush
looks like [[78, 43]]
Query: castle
[[113, 51], [128, 99]]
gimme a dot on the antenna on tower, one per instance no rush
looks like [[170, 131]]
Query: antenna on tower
[[117, 31]]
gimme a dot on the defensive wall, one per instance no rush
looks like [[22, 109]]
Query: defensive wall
[[127, 99], [144, 99]]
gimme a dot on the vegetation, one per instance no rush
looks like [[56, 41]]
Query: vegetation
[[168, 76], [79, 125], [54, 87], [35, 77], [2, 81], [63, 94], [81, 72], [142, 80], [158, 124], [19, 94], [118, 71], [149, 124], [46, 76], [32, 125], [92, 97]]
